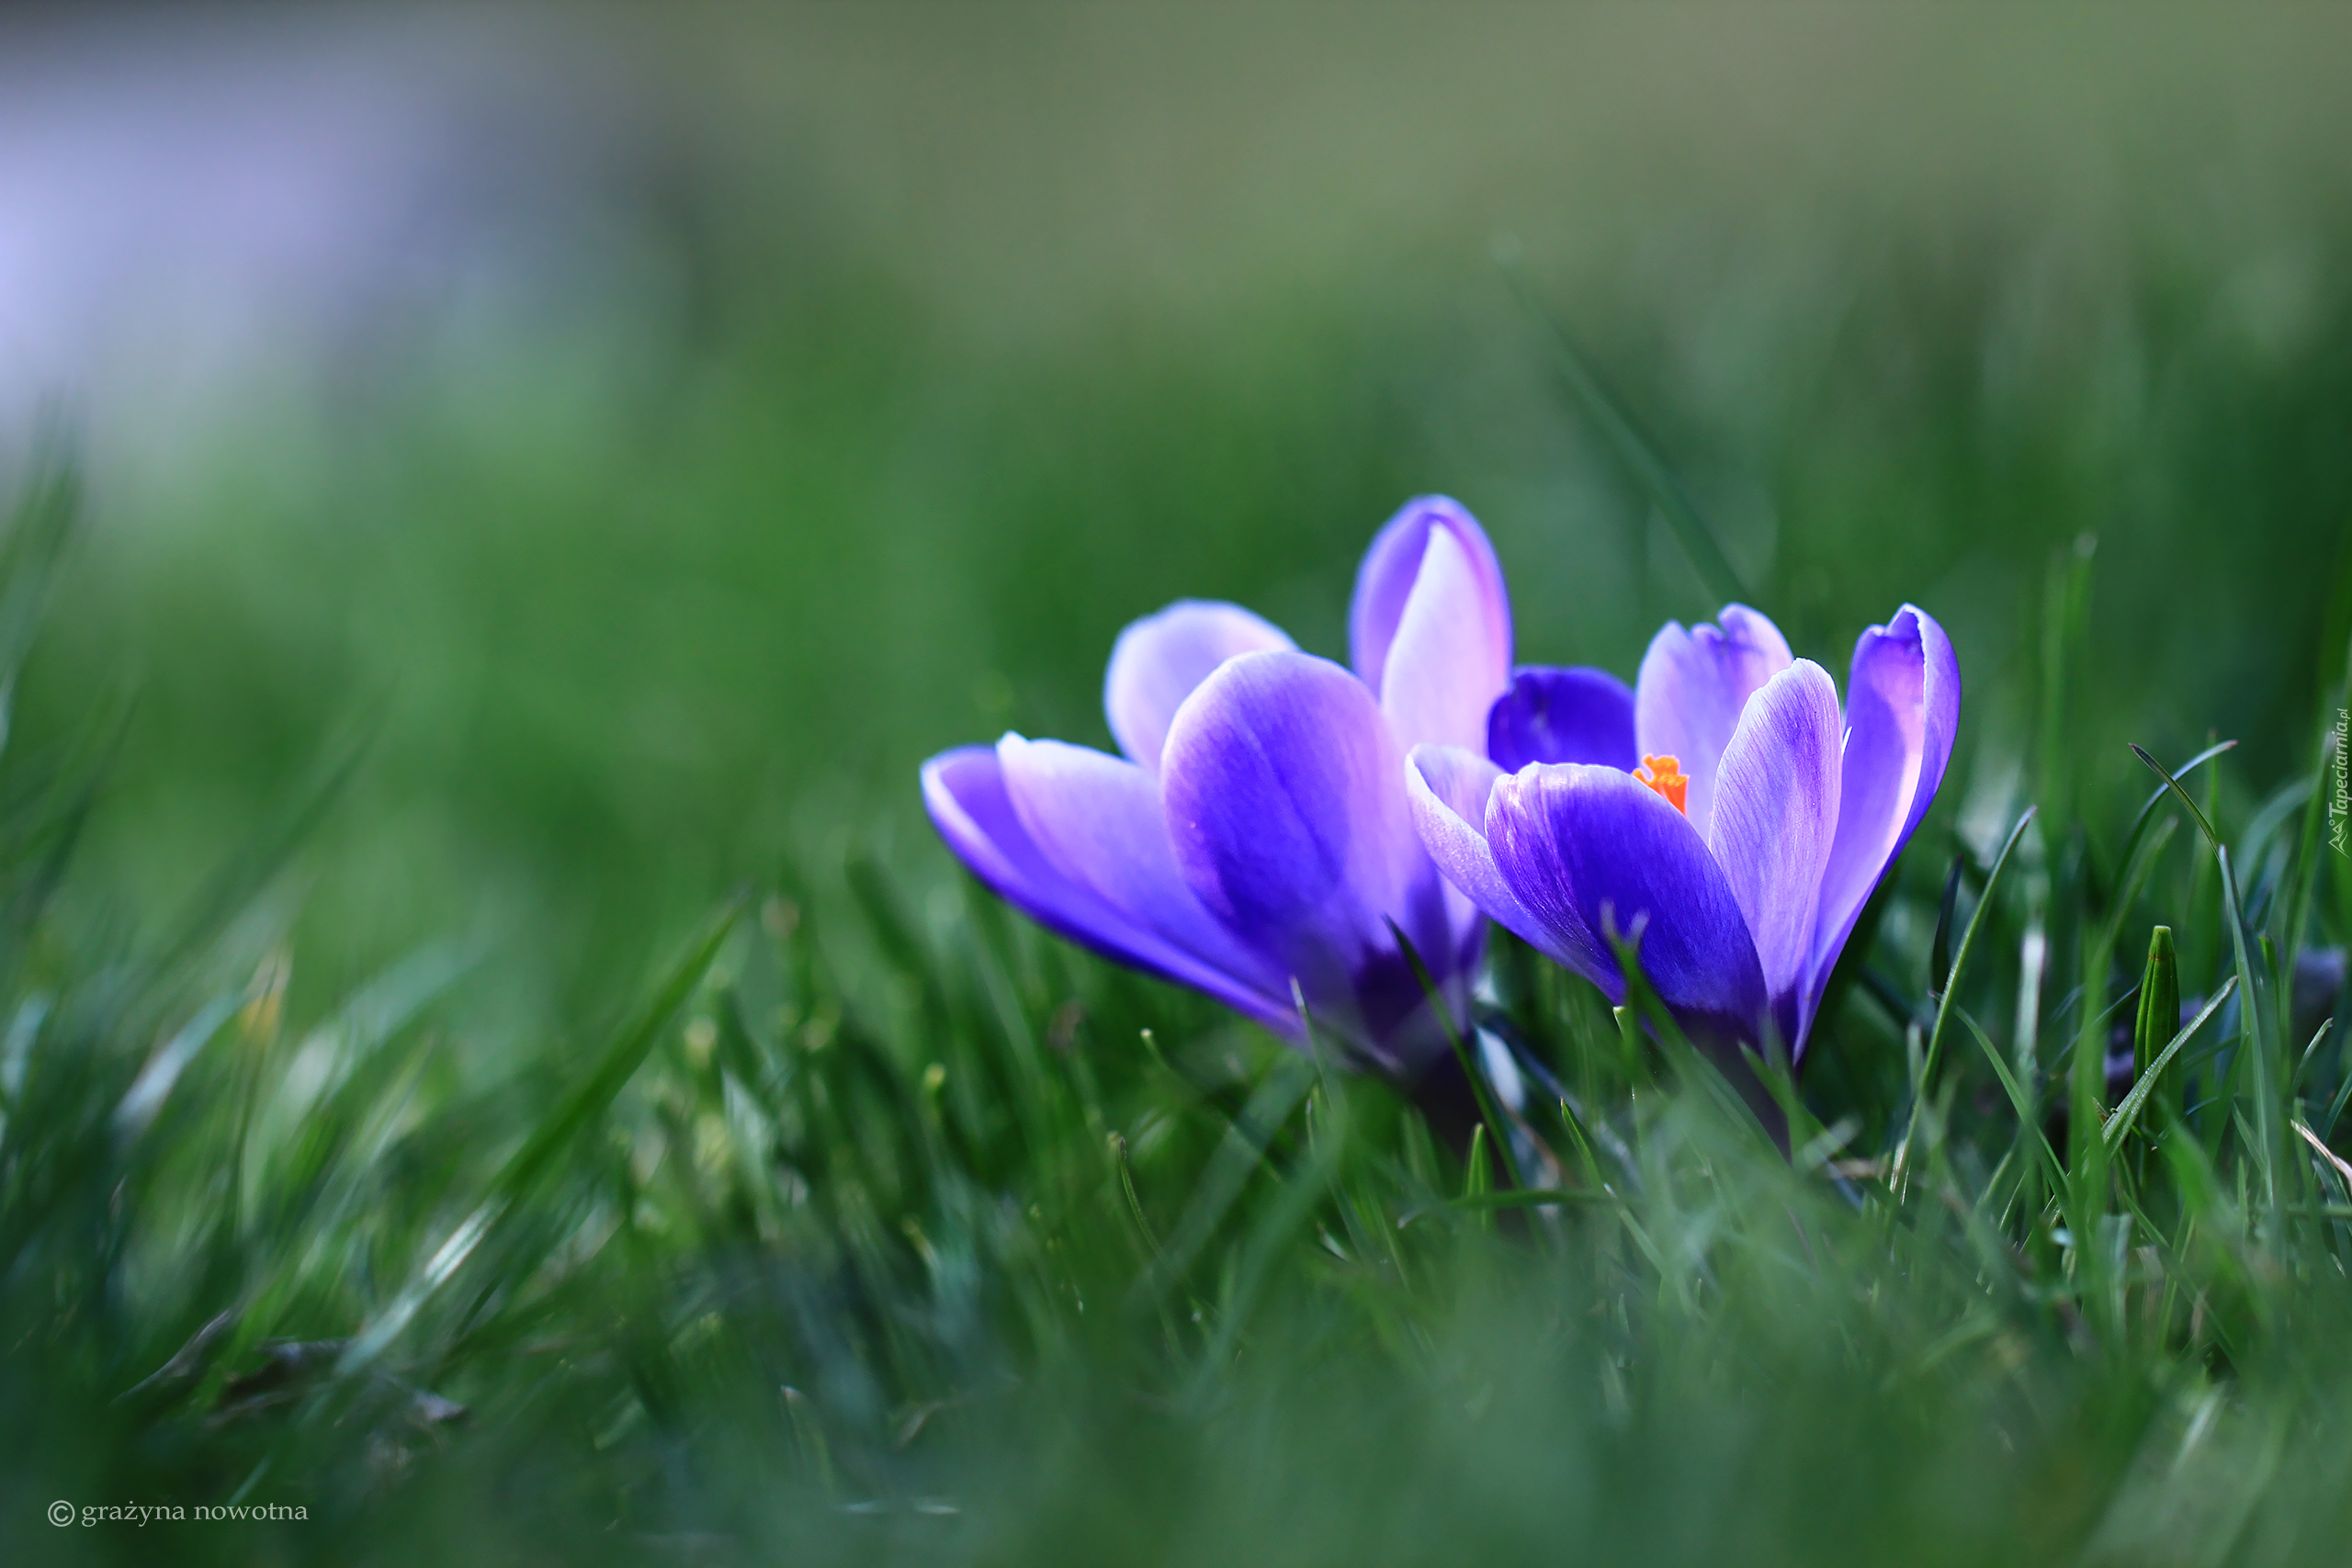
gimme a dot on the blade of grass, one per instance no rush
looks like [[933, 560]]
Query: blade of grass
[[1310, 1180], [1477, 1175], [2255, 1030], [156, 1080], [571, 1114], [2147, 808], [2173, 783], [2335, 1161], [1902, 1165], [1489, 1107], [1526, 1198], [2135, 875], [2065, 606], [2303, 1063], [40, 525], [2029, 1120], [1637, 452], [1239, 1154], [2296, 908], [1695, 1069], [1940, 948], [2336, 1107], [274, 840]]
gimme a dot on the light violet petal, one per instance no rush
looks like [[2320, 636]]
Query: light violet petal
[[1692, 687], [1385, 583], [963, 791], [1097, 820], [1159, 660], [1775, 817], [1450, 789], [1446, 664], [1583, 846], [1462, 779], [1551, 714], [1902, 708]]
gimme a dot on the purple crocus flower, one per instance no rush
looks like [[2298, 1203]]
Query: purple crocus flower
[[1257, 830], [1723, 802]]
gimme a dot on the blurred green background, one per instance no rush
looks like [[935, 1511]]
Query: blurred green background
[[871, 365], [640, 439]]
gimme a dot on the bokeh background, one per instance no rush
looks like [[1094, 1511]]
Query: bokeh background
[[617, 444], [654, 434]]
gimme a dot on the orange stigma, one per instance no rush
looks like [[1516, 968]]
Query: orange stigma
[[1665, 775]]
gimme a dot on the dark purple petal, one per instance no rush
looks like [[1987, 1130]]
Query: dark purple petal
[[1159, 660], [1776, 813], [1286, 800], [1448, 661], [965, 791], [1582, 846], [1692, 687], [1391, 567], [1450, 789], [1551, 714], [1902, 708], [1286, 806]]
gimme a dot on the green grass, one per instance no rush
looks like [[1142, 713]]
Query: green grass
[[882, 1228], [490, 1055]]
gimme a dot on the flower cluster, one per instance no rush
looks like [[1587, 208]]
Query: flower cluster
[[1276, 819]]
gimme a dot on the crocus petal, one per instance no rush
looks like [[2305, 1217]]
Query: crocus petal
[[1551, 714], [965, 791], [1286, 801], [1159, 660], [1391, 570], [1692, 688], [1450, 788], [1775, 817], [1097, 820], [1582, 846], [1444, 666], [1902, 708]]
